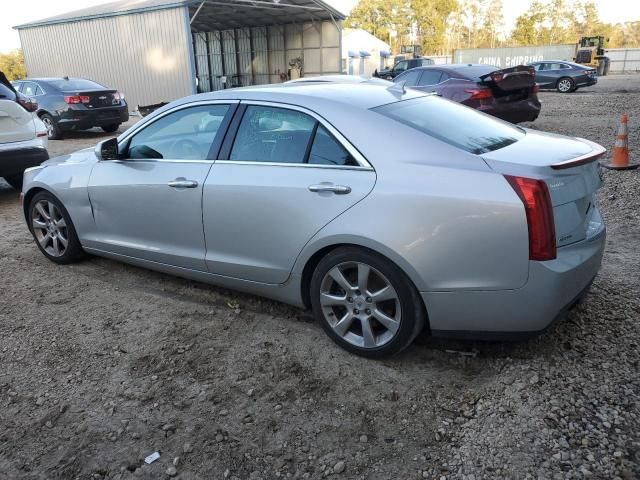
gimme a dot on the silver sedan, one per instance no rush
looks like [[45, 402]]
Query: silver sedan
[[388, 212]]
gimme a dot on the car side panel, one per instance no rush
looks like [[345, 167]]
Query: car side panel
[[448, 229]]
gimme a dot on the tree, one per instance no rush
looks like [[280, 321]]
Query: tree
[[12, 64], [429, 18]]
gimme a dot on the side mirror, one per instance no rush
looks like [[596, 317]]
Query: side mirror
[[108, 150]]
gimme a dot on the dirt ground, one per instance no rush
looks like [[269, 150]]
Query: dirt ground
[[102, 364]]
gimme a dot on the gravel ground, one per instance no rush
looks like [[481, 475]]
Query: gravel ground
[[103, 364]]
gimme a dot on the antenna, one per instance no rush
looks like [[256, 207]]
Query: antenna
[[398, 87]]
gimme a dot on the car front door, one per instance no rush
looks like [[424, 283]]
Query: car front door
[[148, 205], [285, 175], [545, 76]]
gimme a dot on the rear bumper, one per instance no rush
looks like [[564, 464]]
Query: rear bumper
[[552, 288], [514, 112], [18, 156], [81, 119]]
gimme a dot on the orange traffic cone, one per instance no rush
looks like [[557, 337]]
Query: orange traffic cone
[[620, 158]]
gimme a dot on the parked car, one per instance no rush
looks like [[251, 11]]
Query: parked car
[[23, 137], [402, 66], [509, 94], [564, 76], [66, 104], [463, 225]]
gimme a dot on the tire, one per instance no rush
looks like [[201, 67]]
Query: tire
[[111, 128], [403, 313], [15, 181], [565, 85], [53, 130], [73, 250]]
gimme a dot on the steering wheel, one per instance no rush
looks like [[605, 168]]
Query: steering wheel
[[185, 148]]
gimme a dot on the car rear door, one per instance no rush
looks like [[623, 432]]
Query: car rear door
[[282, 175], [148, 205]]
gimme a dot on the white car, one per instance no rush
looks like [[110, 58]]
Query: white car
[[23, 136]]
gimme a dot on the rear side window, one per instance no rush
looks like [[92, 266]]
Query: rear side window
[[75, 84], [453, 123], [326, 150], [430, 77]]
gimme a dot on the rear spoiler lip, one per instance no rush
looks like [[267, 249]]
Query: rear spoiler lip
[[592, 156]]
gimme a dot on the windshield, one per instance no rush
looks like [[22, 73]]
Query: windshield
[[75, 84], [453, 123]]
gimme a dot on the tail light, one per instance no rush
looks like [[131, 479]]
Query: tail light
[[537, 205], [536, 88], [479, 93], [75, 99]]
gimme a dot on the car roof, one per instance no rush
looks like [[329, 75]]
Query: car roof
[[315, 95]]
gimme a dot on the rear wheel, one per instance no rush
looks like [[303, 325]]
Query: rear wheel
[[565, 85], [53, 230], [365, 303], [53, 130], [15, 181], [111, 128]]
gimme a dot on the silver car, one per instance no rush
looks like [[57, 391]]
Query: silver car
[[386, 211]]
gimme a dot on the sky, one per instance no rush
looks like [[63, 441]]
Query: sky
[[13, 13]]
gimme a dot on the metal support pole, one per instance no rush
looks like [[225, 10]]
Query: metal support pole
[[253, 68], [209, 62]]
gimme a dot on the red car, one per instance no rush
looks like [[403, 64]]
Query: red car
[[510, 94]]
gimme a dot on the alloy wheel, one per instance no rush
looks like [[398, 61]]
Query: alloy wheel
[[360, 304], [49, 126], [564, 85], [50, 228]]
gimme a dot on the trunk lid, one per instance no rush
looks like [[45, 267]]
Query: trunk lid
[[510, 84], [98, 98], [570, 169]]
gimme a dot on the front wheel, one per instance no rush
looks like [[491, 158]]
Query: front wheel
[[365, 303], [53, 230], [566, 85], [111, 128], [15, 181]]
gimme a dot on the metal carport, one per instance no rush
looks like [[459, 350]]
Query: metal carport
[[159, 50]]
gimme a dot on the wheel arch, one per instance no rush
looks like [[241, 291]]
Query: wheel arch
[[27, 200], [314, 258]]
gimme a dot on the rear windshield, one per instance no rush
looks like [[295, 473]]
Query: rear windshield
[[474, 73], [75, 84], [453, 123]]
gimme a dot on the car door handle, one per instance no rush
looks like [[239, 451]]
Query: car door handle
[[182, 183], [330, 187]]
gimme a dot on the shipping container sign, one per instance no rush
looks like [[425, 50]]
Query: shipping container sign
[[512, 56]]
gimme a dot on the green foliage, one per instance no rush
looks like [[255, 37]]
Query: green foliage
[[441, 26], [12, 64]]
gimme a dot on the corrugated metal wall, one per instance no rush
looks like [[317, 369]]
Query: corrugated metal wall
[[144, 55], [512, 56], [624, 59], [254, 56]]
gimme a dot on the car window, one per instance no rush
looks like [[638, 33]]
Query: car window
[[400, 66], [444, 77], [75, 84], [430, 77], [326, 150], [410, 77], [17, 85], [453, 123], [536, 66], [185, 134], [271, 134], [30, 89], [425, 61], [555, 66]]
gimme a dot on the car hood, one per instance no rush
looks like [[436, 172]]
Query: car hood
[[85, 155]]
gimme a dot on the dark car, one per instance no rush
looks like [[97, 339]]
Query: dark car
[[509, 94], [66, 104], [564, 76], [403, 66]]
